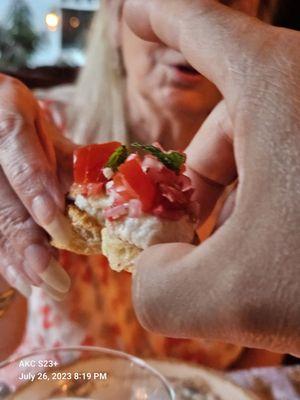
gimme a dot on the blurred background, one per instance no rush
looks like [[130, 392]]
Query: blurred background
[[42, 41]]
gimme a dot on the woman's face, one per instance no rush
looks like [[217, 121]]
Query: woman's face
[[162, 75]]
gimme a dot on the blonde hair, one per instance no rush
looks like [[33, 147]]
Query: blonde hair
[[98, 112]]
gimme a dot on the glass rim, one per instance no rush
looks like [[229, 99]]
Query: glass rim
[[117, 353]]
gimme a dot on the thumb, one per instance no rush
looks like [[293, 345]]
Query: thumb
[[213, 38], [210, 159], [179, 291]]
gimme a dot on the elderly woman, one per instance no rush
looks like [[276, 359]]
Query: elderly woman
[[129, 90]]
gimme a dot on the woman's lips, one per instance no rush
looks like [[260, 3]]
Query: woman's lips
[[184, 74]]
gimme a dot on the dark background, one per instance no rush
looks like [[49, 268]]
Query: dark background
[[288, 14]]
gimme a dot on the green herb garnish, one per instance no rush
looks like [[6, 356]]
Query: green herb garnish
[[117, 158], [172, 160]]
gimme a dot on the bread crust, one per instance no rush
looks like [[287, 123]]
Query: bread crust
[[89, 238], [121, 255], [86, 237]]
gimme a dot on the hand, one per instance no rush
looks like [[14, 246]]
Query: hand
[[242, 284], [32, 192]]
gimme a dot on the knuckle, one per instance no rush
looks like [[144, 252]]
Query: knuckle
[[11, 124], [26, 171], [11, 220], [28, 177], [21, 173], [17, 228]]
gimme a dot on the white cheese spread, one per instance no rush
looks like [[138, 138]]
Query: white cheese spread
[[143, 231], [148, 230]]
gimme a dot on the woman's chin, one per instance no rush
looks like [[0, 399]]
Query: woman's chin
[[184, 101]]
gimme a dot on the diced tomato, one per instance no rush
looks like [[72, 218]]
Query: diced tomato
[[139, 182], [123, 189], [89, 160]]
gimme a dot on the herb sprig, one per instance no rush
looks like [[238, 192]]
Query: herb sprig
[[117, 158], [172, 160]]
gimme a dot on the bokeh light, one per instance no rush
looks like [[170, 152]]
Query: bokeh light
[[74, 22], [52, 21]]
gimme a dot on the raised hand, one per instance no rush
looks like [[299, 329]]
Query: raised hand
[[241, 285]]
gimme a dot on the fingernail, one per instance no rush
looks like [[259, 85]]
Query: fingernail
[[37, 257], [52, 220], [53, 293], [56, 277], [31, 274], [44, 209], [60, 229], [18, 282]]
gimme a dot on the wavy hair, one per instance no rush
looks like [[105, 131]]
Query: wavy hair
[[97, 110]]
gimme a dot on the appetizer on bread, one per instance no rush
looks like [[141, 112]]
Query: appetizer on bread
[[125, 199]]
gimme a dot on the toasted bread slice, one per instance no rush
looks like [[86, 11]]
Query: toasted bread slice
[[86, 233], [120, 254]]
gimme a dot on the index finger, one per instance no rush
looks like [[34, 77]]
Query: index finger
[[26, 167], [210, 35], [24, 162]]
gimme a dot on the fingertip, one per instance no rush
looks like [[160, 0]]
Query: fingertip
[[37, 255], [43, 209], [52, 293], [56, 277], [136, 15], [52, 219], [24, 289], [42, 268], [60, 229]]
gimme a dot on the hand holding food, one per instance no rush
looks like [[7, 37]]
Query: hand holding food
[[32, 198], [125, 199], [241, 285]]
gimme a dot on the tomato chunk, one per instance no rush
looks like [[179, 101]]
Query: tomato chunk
[[88, 162], [125, 192], [139, 182]]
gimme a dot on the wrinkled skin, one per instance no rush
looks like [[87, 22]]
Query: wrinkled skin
[[33, 157], [241, 285]]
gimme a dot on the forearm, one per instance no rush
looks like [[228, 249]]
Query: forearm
[[12, 323]]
